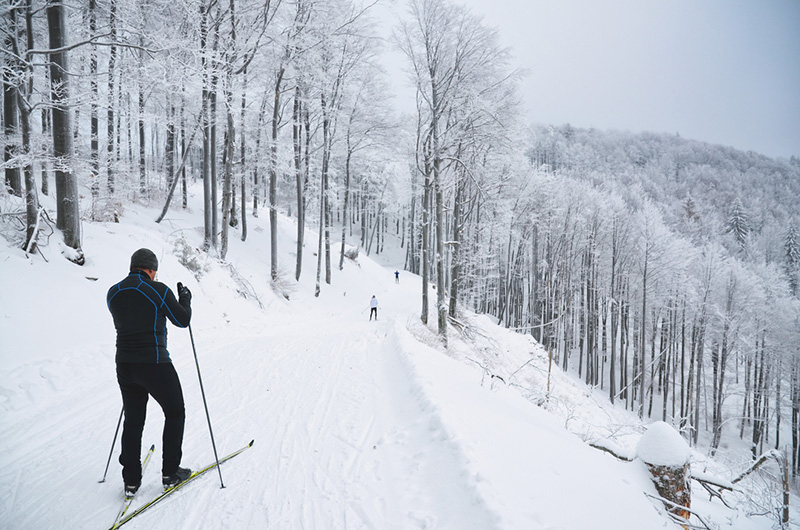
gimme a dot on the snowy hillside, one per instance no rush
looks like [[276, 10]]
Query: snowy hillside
[[357, 424]]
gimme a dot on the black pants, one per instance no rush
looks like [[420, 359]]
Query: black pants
[[373, 311], [137, 382]]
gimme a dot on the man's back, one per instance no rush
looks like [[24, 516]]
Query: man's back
[[140, 307]]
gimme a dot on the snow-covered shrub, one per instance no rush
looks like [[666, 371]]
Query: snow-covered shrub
[[351, 254], [282, 285], [190, 257]]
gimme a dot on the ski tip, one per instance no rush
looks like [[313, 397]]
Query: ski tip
[[153, 447], [251, 443]]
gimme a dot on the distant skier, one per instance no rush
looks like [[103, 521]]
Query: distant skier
[[140, 306], [373, 307], [396, 277]]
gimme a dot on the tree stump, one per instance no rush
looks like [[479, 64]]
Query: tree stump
[[674, 485], [666, 455]]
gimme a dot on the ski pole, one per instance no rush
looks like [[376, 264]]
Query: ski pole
[[205, 405], [119, 421]]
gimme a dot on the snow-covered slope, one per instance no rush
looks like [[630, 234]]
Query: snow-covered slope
[[357, 424]]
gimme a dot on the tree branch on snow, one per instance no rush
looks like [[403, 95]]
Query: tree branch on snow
[[712, 492], [612, 452], [766, 456], [680, 520], [712, 481]]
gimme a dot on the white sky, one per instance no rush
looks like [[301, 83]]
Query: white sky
[[721, 71]]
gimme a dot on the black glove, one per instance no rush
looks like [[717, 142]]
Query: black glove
[[184, 292]]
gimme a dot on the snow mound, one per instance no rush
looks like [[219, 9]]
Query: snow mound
[[661, 445]]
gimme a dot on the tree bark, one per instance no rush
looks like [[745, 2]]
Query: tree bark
[[67, 197], [273, 176], [94, 141], [297, 133], [207, 183], [13, 180], [110, 133], [242, 164]]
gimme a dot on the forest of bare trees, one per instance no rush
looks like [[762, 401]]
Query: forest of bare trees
[[661, 270]]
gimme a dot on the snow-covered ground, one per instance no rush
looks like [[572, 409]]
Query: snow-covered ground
[[357, 424]]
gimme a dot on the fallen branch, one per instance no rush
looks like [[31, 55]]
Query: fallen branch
[[713, 493], [680, 520], [177, 172], [713, 481], [763, 458], [611, 452]]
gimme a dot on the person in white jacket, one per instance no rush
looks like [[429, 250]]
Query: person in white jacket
[[373, 307]]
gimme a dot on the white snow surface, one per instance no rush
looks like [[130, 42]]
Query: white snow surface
[[661, 445], [357, 424]]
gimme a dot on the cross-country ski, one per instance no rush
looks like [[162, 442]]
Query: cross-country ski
[[169, 491], [129, 498]]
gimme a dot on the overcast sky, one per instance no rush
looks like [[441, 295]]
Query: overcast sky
[[721, 71]]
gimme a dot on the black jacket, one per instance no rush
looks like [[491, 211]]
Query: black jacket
[[140, 307]]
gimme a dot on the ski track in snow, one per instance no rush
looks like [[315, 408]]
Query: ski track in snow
[[341, 442]]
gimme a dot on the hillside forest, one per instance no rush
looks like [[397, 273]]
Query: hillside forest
[[663, 271]]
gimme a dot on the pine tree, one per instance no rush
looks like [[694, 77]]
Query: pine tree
[[738, 224], [791, 246]]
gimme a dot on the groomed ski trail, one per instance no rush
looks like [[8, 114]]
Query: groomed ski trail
[[344, 440]]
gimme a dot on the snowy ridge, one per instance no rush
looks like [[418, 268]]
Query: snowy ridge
[[357, 424]]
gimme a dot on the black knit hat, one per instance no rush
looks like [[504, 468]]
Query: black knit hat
[[144, 258]]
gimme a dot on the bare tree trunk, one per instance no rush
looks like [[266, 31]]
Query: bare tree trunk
[[242, 165], [325, 211], [412, 258], [346, 205], [455, 265], [141, 106], [207, 183], [212, 142], [426, 215], [778, 375], [228, 186], [297, 131], [320, 239], [169, 150], [719, 358], [68, 218], [46, 148], [612, 373], [258, 187], [643, 340], [112, 62], [142, 151], [10, 111], [184, 147], [31, 196], [273, 177], [227, 179], [795, 391], [93, 112], [441, 303]]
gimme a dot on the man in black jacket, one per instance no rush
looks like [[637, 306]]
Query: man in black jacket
[[141, 306]]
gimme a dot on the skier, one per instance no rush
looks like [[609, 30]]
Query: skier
[[373, 307], [396, 276], [140, 306]]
